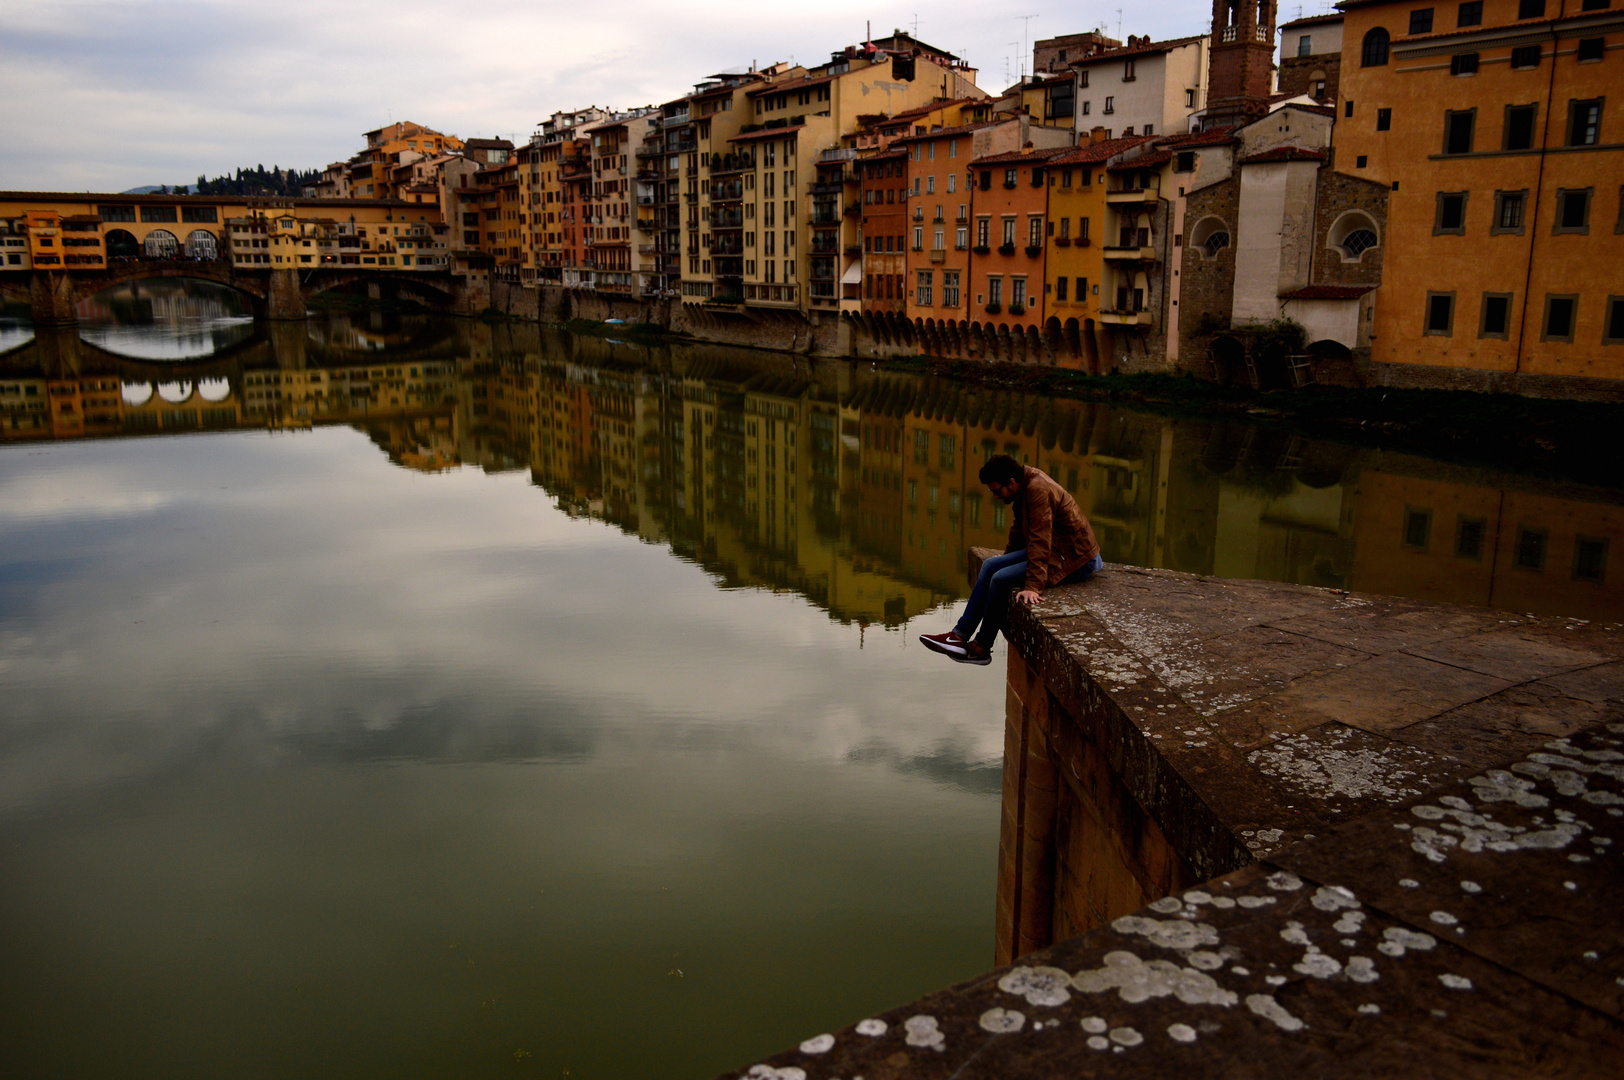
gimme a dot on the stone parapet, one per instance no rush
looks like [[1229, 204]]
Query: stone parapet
[[1251, 828]]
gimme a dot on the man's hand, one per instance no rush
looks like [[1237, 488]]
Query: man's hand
[[1028, 596]]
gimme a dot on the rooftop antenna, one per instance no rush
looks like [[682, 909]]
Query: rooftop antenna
[[1026, 22], [915, 34], [1119, 24]]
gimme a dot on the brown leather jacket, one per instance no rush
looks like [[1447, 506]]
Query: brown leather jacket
[[1058, 539]]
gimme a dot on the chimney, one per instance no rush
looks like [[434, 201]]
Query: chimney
[[1096, 135]]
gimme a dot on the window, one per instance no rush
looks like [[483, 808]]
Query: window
[[1189, 99], [922, 288], [1082, 79], [1110, 104], [1595, 5], [1591, 49], [1584, 122], [1421, 21], [1458, 124], [1009, 231], [1305, 46], [158, 213], [1060, 290], [921, 456], [1519, 131], [1450, 217], [950, 288], [1469, 537], [1185, 161], [1127, 71], [1010, 177], [1496, 319], [1374, 51], [1559, 312], [1082, 227], [1417, 528], [1524, 57], [1463, 64], [1572, 211], [1612, 331], [1034, 230], [919, 238], [1440, 314], [1210, 235], [1353, 234], [995, 289], [1384, 119], [116, 213], [1531, 9], [1508, 212], [1530, 551], [983, 231], [1470, 14], [1017, 293], [947, 448], [1589, 558]]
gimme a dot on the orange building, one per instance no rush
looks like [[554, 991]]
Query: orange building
[[1010, 208], [1489, 121]]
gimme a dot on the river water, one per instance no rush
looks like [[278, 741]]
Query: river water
[[402, 696]]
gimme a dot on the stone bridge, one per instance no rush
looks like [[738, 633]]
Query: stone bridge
[[54, 295]]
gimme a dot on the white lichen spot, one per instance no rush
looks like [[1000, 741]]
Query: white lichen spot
[[1038, 985], [1592, 954], [922, 1031], [1283, 881], [1168, 933], [1181, 1033], [1409, 883], [1470, 887], [873, 1028], [1370, 1010], [1254, 901], [1602, 798], [1319, 965], [1002, 1021], [1443, 918], [1223, 902], [1329, 767], [1136, 980], [1362, 969], [1456, 982], [1098, 1042], [1241, 970], [1498, 785], [1579, 858], [1334, 898], [1167, 905], [1399, 938], [1350, 922], [1126, 1036], [1204, 960], [1196, 896], [1571, 886], [767, 1072], [1094, 1025], [1275, 980], [818, 1044], [1270, 1009]]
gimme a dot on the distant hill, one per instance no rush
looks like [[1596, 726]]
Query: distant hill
[[255, 181]]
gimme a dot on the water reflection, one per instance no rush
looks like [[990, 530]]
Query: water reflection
[[14, 332], [166, 319], [853, 487]]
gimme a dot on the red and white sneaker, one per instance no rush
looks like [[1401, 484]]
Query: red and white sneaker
[[974, 653], [949, 643]]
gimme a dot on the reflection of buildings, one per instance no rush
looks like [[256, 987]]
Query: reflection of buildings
[[855, 489]]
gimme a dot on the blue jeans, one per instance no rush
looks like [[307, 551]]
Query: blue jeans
[[1000, 576]]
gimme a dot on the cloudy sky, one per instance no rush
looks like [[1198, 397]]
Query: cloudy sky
[[106, 95]]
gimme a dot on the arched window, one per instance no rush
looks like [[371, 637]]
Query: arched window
[[161, 244], [1210, 235], [201, 245], [1352, 235], [1375, 51], [121, 244]]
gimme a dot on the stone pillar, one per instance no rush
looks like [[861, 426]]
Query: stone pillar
[[50, 301], [283, 298]]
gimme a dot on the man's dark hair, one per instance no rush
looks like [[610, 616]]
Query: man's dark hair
[[1001, 467]]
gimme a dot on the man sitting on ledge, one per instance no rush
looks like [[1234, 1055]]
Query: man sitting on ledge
[[1050, 543]]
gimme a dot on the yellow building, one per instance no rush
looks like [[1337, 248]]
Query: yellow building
[[1490, 123]]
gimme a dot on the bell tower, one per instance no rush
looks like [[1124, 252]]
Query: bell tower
[[1241, 65]]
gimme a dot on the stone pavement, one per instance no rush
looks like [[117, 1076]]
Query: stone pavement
[[1412, 816]]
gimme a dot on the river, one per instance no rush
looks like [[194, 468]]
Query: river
[[391, 695]]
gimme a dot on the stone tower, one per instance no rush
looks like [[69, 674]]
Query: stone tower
[[1242, 66]]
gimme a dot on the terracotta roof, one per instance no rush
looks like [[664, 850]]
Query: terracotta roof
[[793, 84], [1327, 292], [1094, 153], [1218, 136], [926, 109], [1400, 40], [487, 144], [766, 133], [1022, 157], [1317, 110], [1283, 153], [882, 155], [958, 130], [1136, 50], [1310, 20], [1143, 161]]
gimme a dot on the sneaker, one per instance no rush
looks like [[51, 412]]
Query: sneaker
[[949, 643], [973, 653]]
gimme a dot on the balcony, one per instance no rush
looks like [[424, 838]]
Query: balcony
[[938, 255], [648, 249], [1006, 249], [1132, 196], [824, 216], [854, 210], [853, 251], [646, 225], [645, 200], [839, 154], [732, 163], [1125, 318], [823, 188], [821, 246], [733, 191], [1126, 253]]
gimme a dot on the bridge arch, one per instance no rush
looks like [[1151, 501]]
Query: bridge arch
[[214, 389], [161, 244], [136, 393], [175, 392], [122, 244], [202, 244]]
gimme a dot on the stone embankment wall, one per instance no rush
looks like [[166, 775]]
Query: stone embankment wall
[[1306, 832]]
